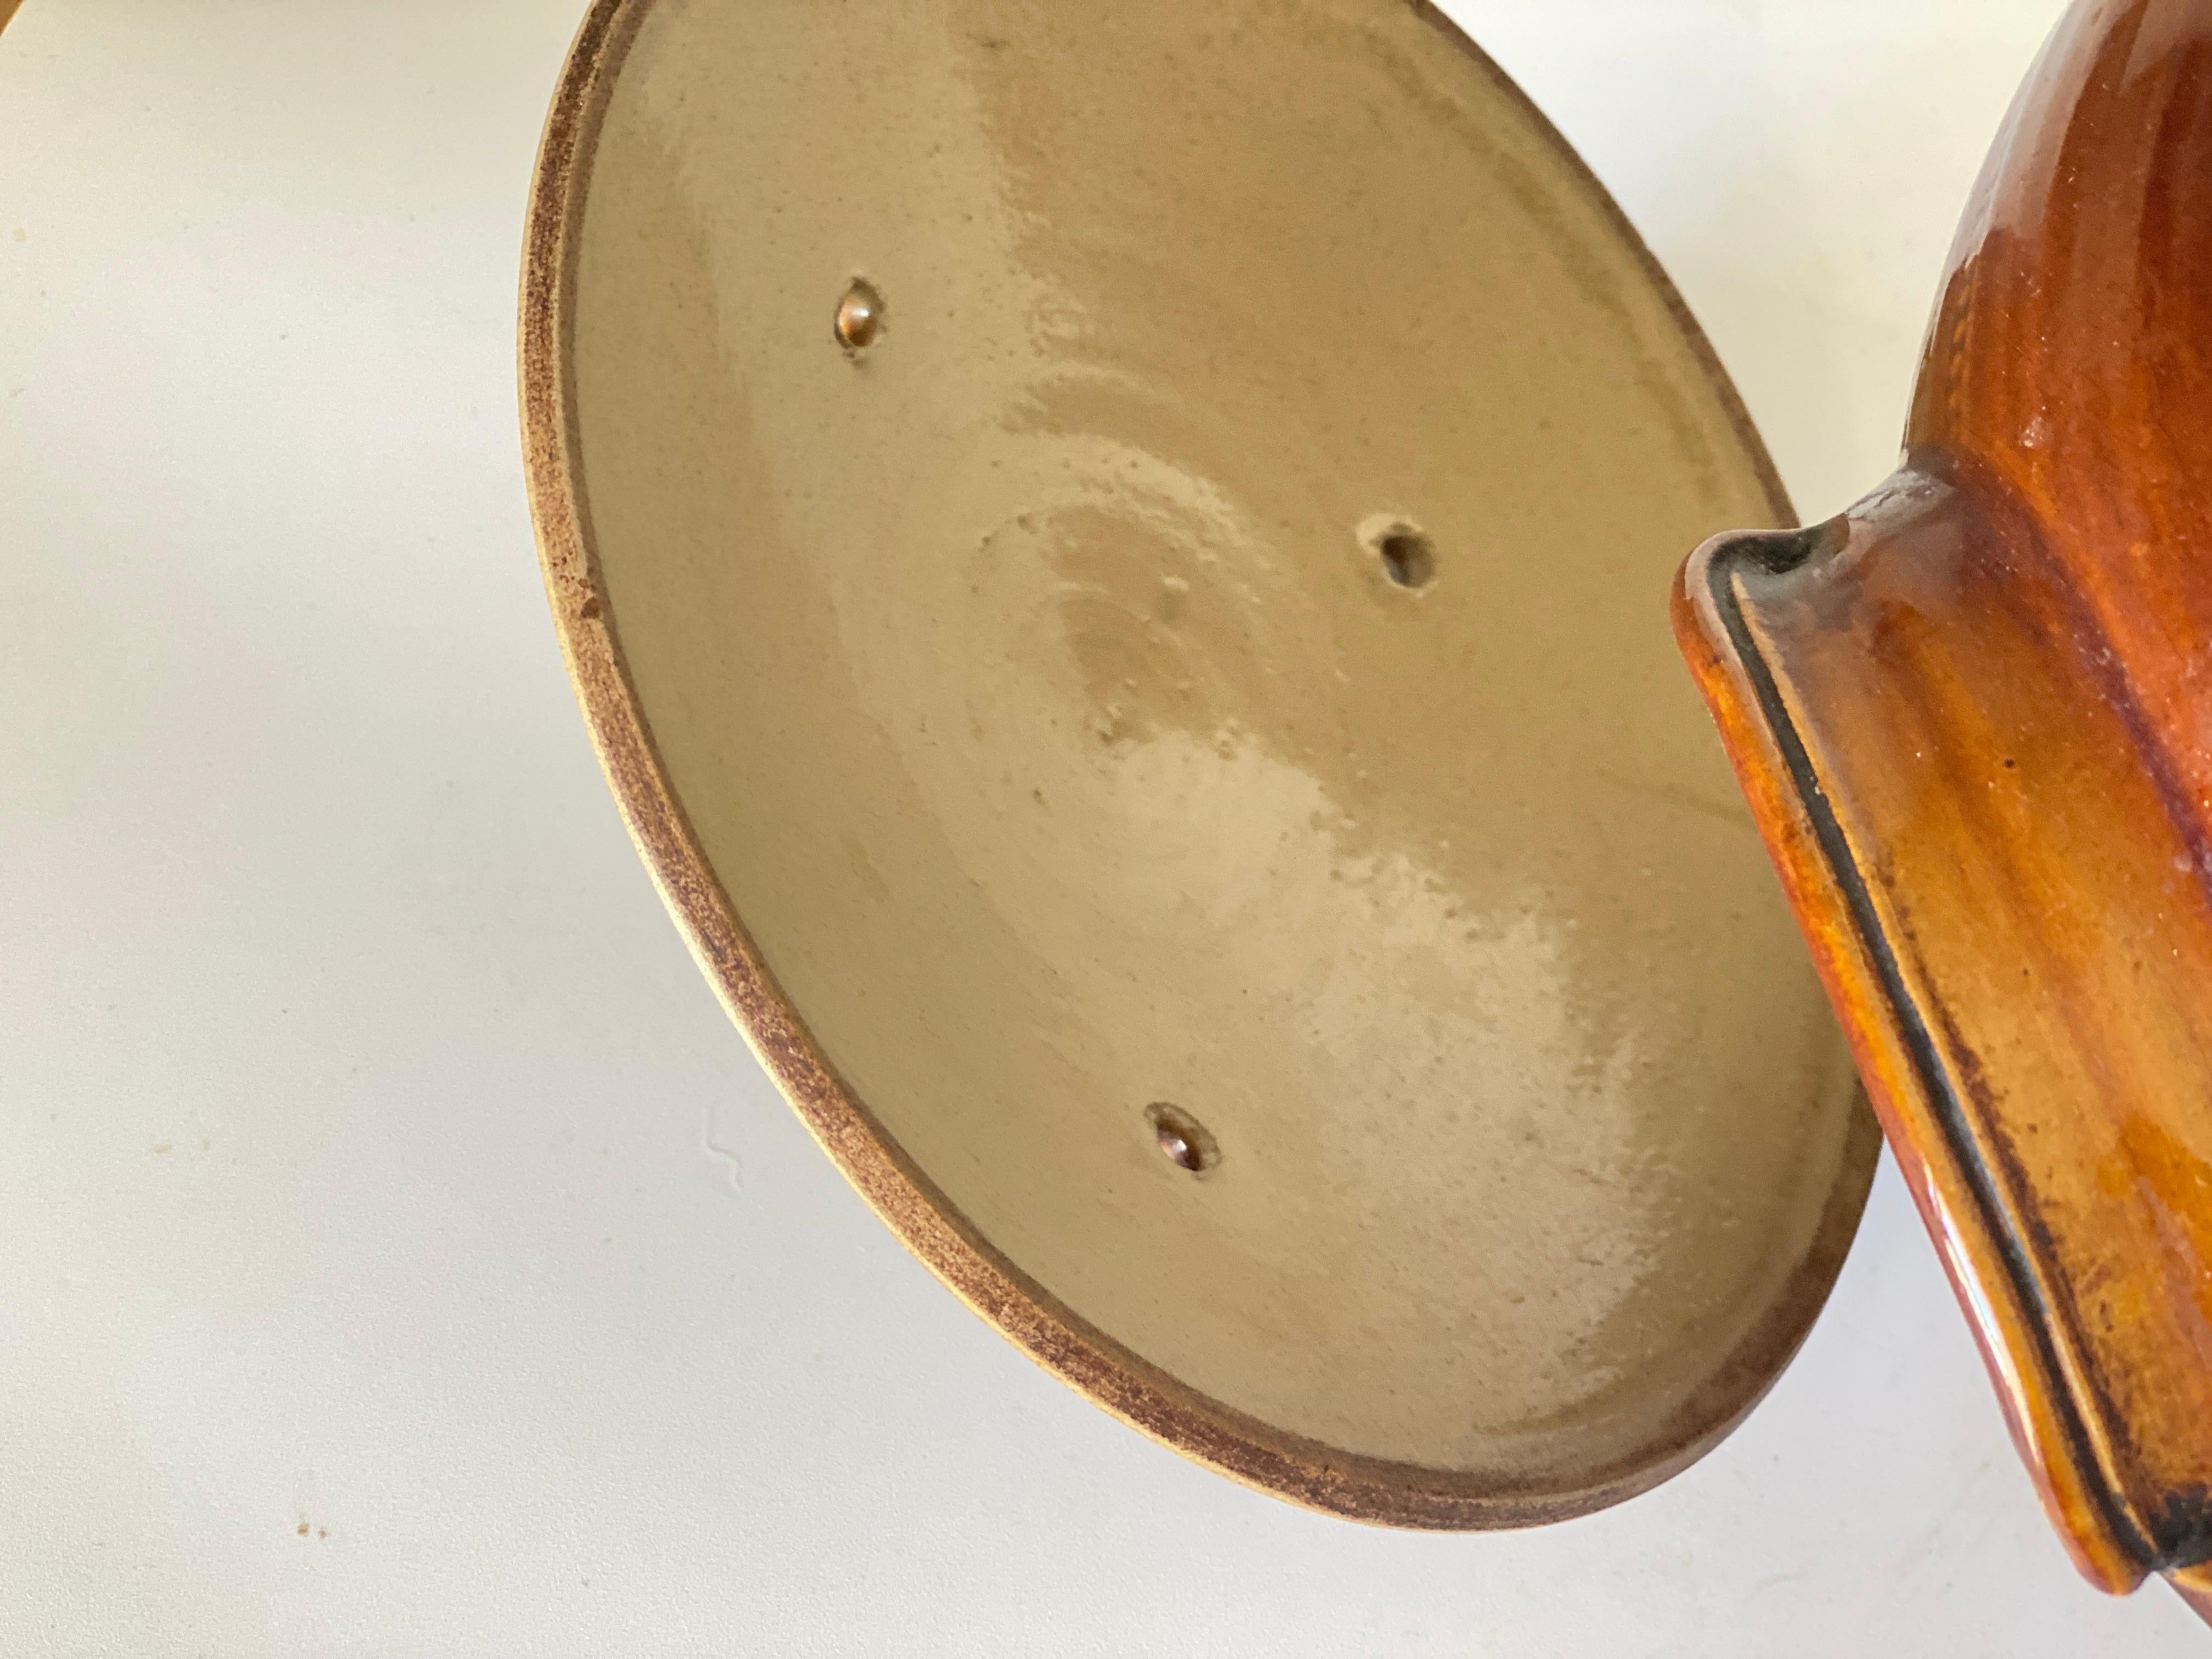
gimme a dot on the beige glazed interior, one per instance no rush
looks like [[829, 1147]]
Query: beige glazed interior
[[1207, 647]]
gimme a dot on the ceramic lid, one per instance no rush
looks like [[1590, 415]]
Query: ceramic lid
[[1112, 556], [1971, 715]]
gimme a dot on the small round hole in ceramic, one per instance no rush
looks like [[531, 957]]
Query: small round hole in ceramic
[[1182, 1140], [1073, 761], [1407, 558], [859, 316]]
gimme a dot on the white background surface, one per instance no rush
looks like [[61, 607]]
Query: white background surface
[[371, 1156]]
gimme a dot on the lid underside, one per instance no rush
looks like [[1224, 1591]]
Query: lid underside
[[1187, 670]]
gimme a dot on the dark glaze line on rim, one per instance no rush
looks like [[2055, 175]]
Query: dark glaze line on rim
[[1375, 1490], [1779, 553]]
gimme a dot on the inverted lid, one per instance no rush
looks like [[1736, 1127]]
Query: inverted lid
[[1972, 716], [1110, 552]]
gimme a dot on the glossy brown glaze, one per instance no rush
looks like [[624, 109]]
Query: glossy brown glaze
[[1974, 717], [1107, 551], [2194, 1586]]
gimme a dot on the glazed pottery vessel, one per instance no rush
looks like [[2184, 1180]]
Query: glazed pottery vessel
[[1974, 717], [1111, 555]]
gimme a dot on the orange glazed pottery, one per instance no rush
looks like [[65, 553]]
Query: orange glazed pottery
[[1107, 551], [1973, 715]]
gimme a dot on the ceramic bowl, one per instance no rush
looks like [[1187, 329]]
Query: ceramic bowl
[[1971, 715]]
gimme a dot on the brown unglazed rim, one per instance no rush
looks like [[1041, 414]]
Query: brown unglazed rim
[[1288, 1466]]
